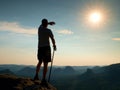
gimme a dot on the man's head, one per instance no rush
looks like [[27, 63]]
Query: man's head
[[45, 22]]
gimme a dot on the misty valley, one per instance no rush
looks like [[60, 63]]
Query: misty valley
[[73, 77]]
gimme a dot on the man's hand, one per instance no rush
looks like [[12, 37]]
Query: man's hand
[[51, 23], [54, 47]]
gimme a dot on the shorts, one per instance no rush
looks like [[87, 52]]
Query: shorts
[[44, 54]]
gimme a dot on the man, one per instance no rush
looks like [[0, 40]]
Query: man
[[44, 50]]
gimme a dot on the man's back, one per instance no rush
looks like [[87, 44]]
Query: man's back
[[43, 36]]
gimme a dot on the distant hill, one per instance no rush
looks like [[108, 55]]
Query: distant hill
[[12, 82], [107, 79], [64, 71], [95, 78], [26, 71], [12, 67], [15, 68], [57, 71], [75, 77], [6, 71]]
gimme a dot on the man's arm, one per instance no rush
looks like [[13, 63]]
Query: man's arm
[[53, 42]]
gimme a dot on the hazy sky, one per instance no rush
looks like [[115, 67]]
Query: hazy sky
[[79, 40]]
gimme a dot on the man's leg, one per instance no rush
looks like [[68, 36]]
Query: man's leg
[[45, 70], [44, 82], [38, 67], [37, 70]]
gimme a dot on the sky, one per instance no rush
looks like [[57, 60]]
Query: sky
[[80, 41]]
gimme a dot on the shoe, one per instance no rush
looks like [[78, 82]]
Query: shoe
[[44, 83], [36, 77]]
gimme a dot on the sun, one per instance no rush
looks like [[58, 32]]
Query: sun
[[95, 17]]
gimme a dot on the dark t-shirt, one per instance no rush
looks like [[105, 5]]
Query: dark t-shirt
[[43, 36]]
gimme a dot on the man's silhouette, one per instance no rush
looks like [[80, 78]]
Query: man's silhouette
[[44, 50]]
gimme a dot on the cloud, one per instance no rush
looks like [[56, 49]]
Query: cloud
[[116, 39], [16, 27], [67, 32]]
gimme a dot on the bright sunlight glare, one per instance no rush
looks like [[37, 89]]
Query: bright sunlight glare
[[95, 17]]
